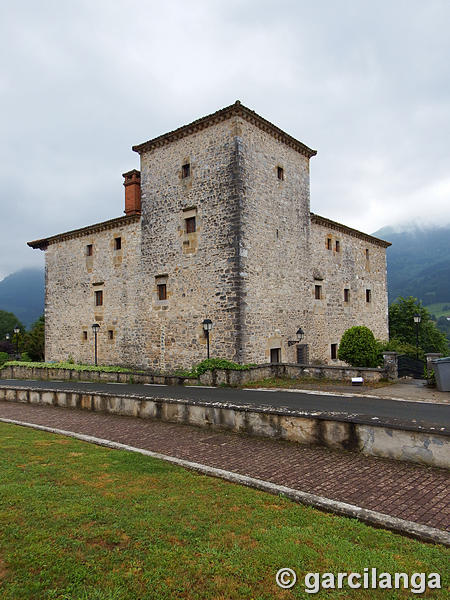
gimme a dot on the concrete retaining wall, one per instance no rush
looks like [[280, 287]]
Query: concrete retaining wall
[[419, 447]]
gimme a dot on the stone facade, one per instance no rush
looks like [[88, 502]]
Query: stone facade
[[221, 229]]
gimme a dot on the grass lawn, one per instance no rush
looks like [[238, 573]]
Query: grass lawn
[[311, 382], [82, 522]]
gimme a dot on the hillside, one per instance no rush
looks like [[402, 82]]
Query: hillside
[[22, 293], [418, 263]]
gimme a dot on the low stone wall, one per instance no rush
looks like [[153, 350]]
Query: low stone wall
[[344, 434], [215, 377], [294, 371], [50, 374]]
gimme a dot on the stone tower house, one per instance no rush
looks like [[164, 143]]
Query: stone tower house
[[217, 225]]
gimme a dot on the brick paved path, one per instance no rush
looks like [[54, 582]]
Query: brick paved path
[[399, 489]]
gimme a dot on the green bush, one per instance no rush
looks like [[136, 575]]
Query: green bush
[[396, 345], [217, 363], [359, 348], [3, 358]]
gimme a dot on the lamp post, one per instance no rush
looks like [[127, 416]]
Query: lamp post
[[207, 326], [417, 319], [16, 333], [300, 335], [95, 328]]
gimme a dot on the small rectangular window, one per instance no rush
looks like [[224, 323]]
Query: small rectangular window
[[117, 243], [89, 250], [275, 355], [318, 292], [367, 253], [99, 298], [333, 351], [346, 295], [280, 172], [162, 291], [110, 334], [328, 243], [186, 170], [368, 295], [190, 225], [338, 246], [84, 335]]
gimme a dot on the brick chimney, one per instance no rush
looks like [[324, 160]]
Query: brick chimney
[[132, 185]]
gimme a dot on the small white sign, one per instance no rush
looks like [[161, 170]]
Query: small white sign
[[357, 380]]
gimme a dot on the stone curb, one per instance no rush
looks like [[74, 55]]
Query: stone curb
[[322, 415], [374, 518]]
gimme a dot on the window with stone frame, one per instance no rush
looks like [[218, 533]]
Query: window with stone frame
[[190, 225], [186, 170], [280, 173], [368, 295], [318, 292], [110, 334], [334, 348], [162, 291], [99, 298], [118, 243], [329, 243], [89, 250], [346, 295], [338, 246]]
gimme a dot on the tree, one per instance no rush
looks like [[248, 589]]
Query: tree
[[8, 322], [359, 347], [403, 328], [34, 344]]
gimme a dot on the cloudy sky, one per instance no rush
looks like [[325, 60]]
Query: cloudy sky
[[367, 84]]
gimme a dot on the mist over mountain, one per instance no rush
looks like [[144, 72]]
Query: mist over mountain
[[418, 262], [22, 293]]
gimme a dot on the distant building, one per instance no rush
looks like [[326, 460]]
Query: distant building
[[217, 225]]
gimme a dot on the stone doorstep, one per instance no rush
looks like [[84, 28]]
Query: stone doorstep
[[333, 431]]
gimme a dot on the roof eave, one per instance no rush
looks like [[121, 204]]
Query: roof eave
[[221, 115], [43, 243]]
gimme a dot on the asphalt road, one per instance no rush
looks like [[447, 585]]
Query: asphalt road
[[410, 415]]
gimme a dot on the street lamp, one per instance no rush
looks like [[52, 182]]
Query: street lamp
[[95, 328], [16, 332], [417, 319], [300, 335], [207, 326]]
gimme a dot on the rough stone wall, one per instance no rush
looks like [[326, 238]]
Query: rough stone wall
[[199, 269], [251, 265], [274, 249], [73, 277], [359, 265]]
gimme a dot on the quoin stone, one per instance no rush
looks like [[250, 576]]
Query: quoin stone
[[217, 225]]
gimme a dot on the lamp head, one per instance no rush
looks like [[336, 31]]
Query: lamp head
[[207, 324], [300, 334]]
